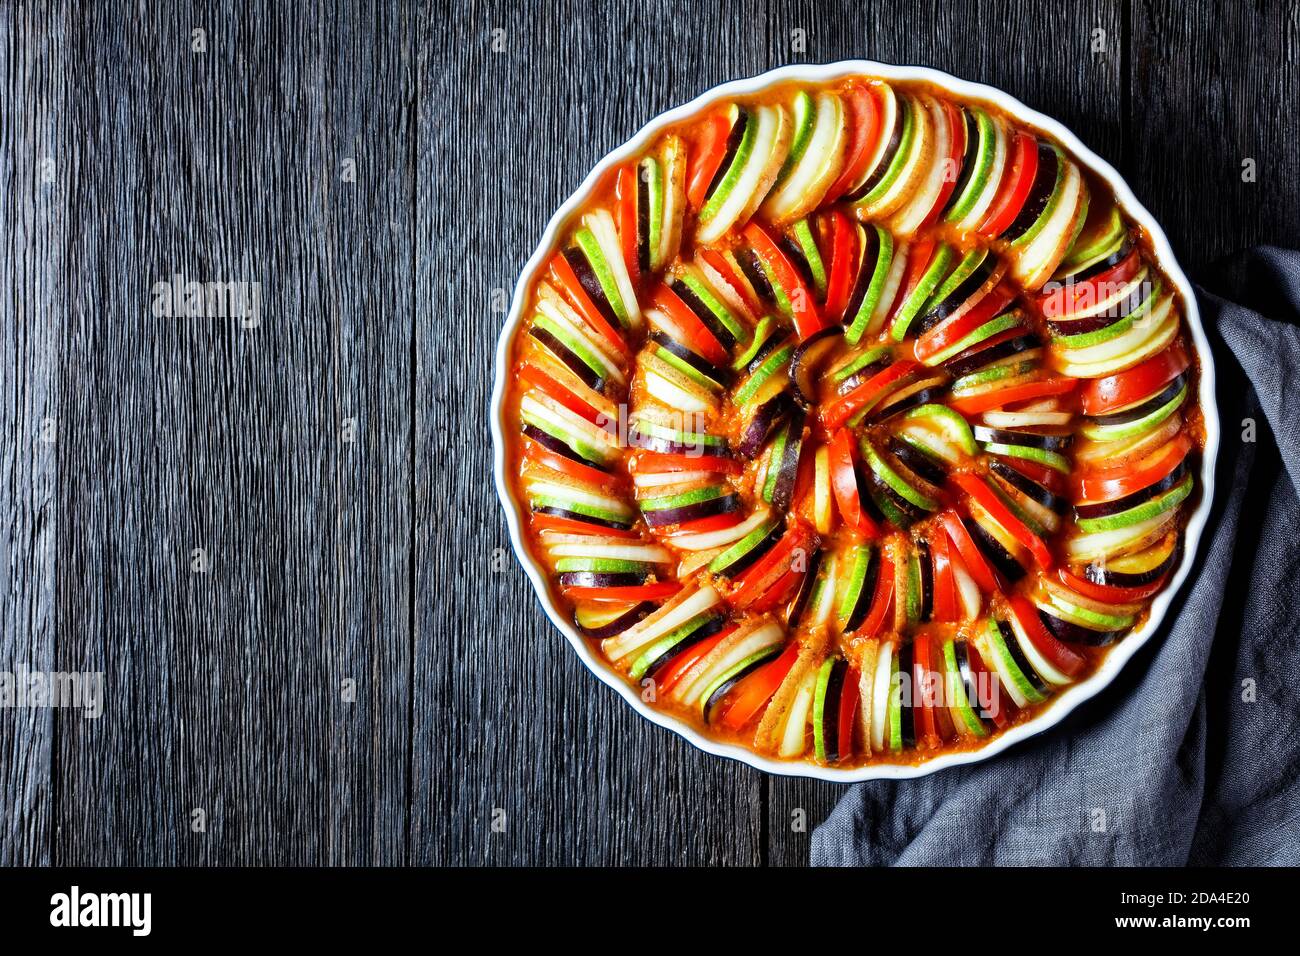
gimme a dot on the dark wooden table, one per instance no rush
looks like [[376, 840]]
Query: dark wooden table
[[358, 672]]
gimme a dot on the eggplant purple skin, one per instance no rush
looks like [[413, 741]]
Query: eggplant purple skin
[[722, 376], [1097, 573], [927, 578], [586, 519], [961, 653], [1074, 634], [803, 365], [745, 560], [703, 313], [800, 603], [570, 361], [783, 493], [766, 417], [1102, 509], [718, 695], [1161, 398], [1009, 436], [906, 660], [586, 276], [1028, 487], [917, 462], [638, 439], [551, 443], [1041, 190], [916, 399], [724, 504], [619, 624], [1018, 655], [1008, 566], [596, 579], [706, 629], [980, 354], [831, 709], [863, 604]]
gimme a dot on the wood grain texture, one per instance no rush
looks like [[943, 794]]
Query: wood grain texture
[[363, 674]]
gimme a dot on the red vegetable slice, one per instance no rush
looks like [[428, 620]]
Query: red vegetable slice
[[699, 338], [844, 482], [882, 602], [864, 121], [1110, 593], [1066, 660], [975, 486], [923, 690], [1015, 186], [806, 320], [844, 262], [1117, 482], [945, 582], [573, 526], [1016, 393], [654, 463], [567, 466], [849, 696], [689, 658], [625, 207], [951, 331], [577, 295], [770, 568], [532, 375], [708, 156], [757, 689], [638, 592], [971, 556], [1101, 395], [846, 406], [1062, 300], [957, 127]]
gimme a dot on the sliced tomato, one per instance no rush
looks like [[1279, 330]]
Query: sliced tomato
[[1016, 183], [1060, 655], [807, 321], [1063, 299], [573, 526], [952, 172], [1109, 593], [849, 404], [923, 691], [1049, 478], [740, 287], [1016, 393], [951, 331], [844, 482], [707, 157], [757, 689], [578, 298], [975, 486], [882, 602], [945, 582], [850, 694], [755, 582], [971, 556], [534, 376], [567, 466], [698, 336], [844, 265], [654, 463], [625, 207], [863, 122], [711, 523], [1101, 395], [993, 700], [918, 258], [1114, 483], [781, 591], [637, 592], [688, 658]]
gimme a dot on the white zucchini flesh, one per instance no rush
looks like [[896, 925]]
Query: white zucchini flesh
[[1036, 660], [547, 409], [739, 646], [1038, 260], [550, 489], [649, 553], [1100, 544], [931, 179], [709, 540], [563, 315], [808, 181], [977, 212], [888, 118], [776, 156], [674, 395], [880, 695], [662, 478], [766, 120], [675, 613], [914, 163], [601, 224], [893, 280], [1025, 419], [1147, 337], [795, 736], [867, 687], [1000, 668], [968, 592], [673, 160]]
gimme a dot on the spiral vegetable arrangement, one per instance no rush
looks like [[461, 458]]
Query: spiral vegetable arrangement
[[854, 422]]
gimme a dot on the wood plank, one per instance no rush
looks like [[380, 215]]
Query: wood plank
[[508, 723], [183, 433], [34, 175], [1209, 93]]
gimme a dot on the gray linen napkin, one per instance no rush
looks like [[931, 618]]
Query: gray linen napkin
[[1192, 756]]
